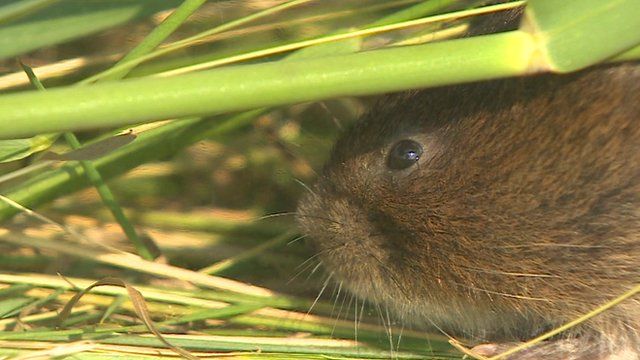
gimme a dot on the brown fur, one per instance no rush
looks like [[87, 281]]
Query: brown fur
[[522, 214]]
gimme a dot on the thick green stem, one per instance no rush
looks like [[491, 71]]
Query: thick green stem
[[268, 84]]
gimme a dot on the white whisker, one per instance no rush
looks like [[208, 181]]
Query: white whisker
[[270, 216], [344, 298], [313, 271], [305, 186], [298, 238], [324, 286]]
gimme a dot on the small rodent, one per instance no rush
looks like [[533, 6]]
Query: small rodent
[[495, 210]]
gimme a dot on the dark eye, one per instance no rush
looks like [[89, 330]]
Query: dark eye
[[404, 154]]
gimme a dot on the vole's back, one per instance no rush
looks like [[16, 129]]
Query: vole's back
[[555, 178], [546, 183]]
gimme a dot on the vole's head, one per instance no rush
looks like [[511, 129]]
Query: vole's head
[[479, 207], [378, 215]]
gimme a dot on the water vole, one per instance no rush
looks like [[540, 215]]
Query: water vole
[[495, 210]]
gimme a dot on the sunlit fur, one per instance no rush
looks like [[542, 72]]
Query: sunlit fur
[[522, 214]]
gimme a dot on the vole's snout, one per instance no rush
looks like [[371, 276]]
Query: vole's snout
[[341, 233], [330, 221]]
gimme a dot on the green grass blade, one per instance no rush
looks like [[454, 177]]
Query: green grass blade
[[109, 200], [156, 37], [14, 290], [71, 19], [16, 149], [38, 303], [22, 8], [249, 254], [563, 27], [8, 306]]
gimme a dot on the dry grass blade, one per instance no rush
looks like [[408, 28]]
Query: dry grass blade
[[125, 260], [5, 324], [59, 351], [468, 352], [56, 69], [139, 306]]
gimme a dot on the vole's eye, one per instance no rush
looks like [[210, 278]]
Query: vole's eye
[[404, 154]]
